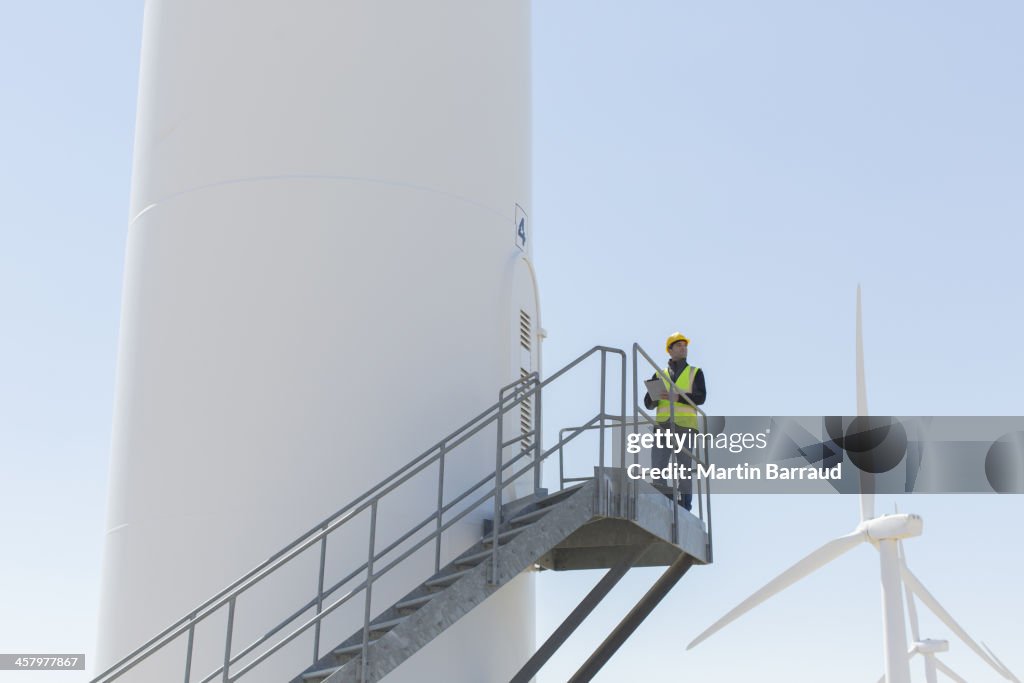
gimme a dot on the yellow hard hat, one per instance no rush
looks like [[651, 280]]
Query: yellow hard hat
[[676, 336]]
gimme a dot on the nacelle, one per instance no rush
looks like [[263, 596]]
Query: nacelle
[[894, 527]]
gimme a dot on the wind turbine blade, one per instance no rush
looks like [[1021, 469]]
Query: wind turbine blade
[[931, 603], [911, 607], [946, 670], [1006, 670], [862, 389], [867, 497], [815, 560]]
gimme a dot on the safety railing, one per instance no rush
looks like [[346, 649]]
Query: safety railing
[[510, 397], [695, 456]]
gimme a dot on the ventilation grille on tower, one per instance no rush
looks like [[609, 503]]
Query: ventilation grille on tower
[[524, 329], [526, 407]]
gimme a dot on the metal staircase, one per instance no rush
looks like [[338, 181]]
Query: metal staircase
[[604, 521]]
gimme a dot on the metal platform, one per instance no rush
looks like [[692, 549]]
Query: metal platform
[[609, 522]]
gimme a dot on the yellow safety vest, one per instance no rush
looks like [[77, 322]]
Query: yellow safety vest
[[685, 414]]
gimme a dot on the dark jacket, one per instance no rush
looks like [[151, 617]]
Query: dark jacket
[[699, 393]]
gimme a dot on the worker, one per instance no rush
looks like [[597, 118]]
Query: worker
[[680, 379]]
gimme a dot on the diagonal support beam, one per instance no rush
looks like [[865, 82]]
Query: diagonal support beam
[[640, 611], [576, 617]]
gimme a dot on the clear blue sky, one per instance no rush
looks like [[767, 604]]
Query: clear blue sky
[[774, 154]]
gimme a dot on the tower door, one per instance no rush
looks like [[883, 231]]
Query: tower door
[[525, 357]]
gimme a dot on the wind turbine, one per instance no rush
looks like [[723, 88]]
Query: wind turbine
[[928, 647], [885, 533]]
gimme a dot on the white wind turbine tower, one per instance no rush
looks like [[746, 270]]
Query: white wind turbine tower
[[928, 647], [885, 533]]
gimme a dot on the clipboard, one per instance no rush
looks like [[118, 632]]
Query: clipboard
[[655, 387]]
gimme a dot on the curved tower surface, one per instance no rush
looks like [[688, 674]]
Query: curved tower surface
[[323, 278]]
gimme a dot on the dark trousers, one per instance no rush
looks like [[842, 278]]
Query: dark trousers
[[661, 457]]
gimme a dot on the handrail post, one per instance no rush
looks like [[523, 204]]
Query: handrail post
[[707, 489], [628, 486], [364, 664], [601, 484], [227, 640], [636, 427], [675, 480], [188, 650], [675, 507], [320, 595], [700, 495], [698, 460], [538, 414], [561, 459], [495, 526], [440, 506]]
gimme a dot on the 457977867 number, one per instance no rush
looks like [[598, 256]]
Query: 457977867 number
[[41, 662], [48, 662]]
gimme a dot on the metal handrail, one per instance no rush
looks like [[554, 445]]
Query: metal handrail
[[588, 426], [525, 388], [353, 592], [282, 556], [297, 546], [702, 428]]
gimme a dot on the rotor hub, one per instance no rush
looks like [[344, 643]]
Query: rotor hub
[[929, 646]]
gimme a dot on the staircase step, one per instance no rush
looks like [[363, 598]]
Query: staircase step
[[415, 603], [472, 560], [350, 649], [387, 625], [319, 674], [529, 516], [516, 508], [447, 579], [505, 535], [558, 496]]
